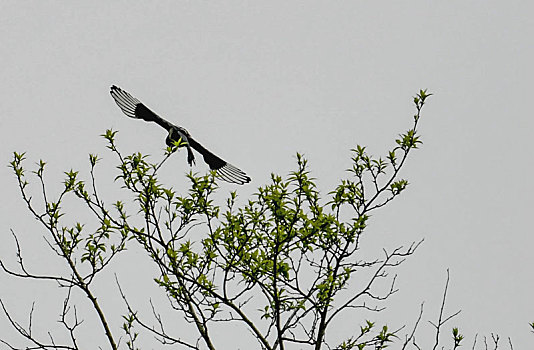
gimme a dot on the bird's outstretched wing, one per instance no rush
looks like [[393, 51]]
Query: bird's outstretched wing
[[225, 170], [133, 108]]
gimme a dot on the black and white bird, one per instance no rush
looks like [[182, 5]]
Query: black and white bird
[[133, 108]]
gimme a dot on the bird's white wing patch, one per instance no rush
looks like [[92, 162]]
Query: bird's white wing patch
[[126, 102], [232, 174]]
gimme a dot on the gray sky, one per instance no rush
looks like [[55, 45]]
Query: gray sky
[[257, 82]]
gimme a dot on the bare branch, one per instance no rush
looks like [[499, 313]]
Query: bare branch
[[442, 321]]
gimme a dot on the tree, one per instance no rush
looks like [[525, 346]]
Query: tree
[[283, 266]]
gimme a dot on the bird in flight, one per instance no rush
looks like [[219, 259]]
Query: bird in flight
[[133, 108]]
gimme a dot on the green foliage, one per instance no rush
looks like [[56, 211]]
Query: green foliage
[[128, 328], [285, 265], [379, 342], [457, 337], [261, 249]]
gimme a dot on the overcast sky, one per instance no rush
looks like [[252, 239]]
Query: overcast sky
[[259, 81]]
